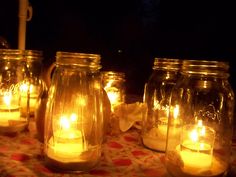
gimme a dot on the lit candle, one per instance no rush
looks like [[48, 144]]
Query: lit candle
[[196, 149], [113, 93], [24, 97], [9, 113], [113, 96], [67, 144]]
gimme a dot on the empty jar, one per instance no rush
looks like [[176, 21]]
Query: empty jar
[[157, 94]]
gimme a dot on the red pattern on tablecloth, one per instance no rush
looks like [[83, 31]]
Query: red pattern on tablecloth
[[19, 157], [122, 156]]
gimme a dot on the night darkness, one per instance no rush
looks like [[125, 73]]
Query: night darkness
[[127, 33]]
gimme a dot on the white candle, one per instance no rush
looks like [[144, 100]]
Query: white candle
[[156, 137], [9, 114], [8, 111], [65, 149], [196, 157], [67, 143], [196, 148]]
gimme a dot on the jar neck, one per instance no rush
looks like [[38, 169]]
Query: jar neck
[[11, 54], [207, 68], [166, 64], [82, 60]]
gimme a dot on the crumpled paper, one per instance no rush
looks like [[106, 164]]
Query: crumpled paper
[[130, 115]]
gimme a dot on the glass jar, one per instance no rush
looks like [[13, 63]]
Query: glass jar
[[157, 94], [74, 114], [37, 85], [114, 85], [199, 136], [13, 74]]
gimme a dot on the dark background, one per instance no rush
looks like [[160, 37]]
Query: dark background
[[127, 33]]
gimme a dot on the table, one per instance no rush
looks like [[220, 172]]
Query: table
[[122, 156]]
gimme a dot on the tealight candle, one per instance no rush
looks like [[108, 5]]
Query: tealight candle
[[66, 144], [114, 86], [157, 136], [196, 148], [8, 112], [63, 148]]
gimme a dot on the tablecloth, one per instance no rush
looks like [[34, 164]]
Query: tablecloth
[[122, 156]]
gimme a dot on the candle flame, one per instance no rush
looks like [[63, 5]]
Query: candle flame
[[24, 87], [201, 128], [67, 125], [176, 111], [73, 117], [64, 123], [199, 131], [199, 123], [113, 96], [194, 136], [7, 98]]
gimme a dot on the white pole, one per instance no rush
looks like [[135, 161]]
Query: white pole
[[25, 14]]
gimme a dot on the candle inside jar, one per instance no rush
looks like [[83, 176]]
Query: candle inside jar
[[196, 152], [33, 95], [67, 144], [157, 136], [113, 93], [8, 112]]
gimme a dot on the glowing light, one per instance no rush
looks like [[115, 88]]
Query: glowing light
[[176, 111], [7, 98]]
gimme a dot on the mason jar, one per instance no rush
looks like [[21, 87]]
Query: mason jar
[[114, 85], [74, 113], [199, 135], [13, 74], [37, 86], [157, 94]]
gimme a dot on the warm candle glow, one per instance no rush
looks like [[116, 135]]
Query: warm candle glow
[[7, 98], [176, 112], [67, 142], [113, 93], [8, 111], [196, 148], [24, 88], [156, 137]]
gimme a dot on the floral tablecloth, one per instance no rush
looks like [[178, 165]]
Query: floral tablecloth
[[123, 156]]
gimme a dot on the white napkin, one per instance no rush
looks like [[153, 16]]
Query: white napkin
[[130, 115]]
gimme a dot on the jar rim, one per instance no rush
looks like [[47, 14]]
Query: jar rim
[[32, 55], [78, 59], [205, 67], [12, 54], [167, 64]]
